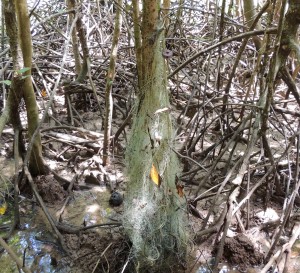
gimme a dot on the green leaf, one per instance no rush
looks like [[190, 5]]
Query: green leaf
[[24, 77], [21, 71], [7, 82]]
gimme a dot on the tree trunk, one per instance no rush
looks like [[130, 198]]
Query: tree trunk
[[109, 81], [83, 42], [155, 208], [36, 163], [137, 38], [75, 47], [11, 112], [249, 13]]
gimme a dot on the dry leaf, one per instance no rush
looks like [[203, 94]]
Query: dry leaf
[[179, 187], [44, 93], [155, 176], [180, 190]]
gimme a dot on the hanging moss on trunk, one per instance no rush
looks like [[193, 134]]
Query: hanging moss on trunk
[[155, 209]]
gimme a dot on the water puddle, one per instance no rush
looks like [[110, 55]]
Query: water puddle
[[35, 244]]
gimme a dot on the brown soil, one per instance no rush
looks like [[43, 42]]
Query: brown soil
[[49, 189], [95, 252], [99, 250], [239, 250]]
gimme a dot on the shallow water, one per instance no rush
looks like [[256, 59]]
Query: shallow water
[[36, 242]]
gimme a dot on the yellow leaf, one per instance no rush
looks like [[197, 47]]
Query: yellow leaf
[[44, 93], [155, 176], [3, 207]]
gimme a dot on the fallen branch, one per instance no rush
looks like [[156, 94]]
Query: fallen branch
[[44, 208], [286, 247]]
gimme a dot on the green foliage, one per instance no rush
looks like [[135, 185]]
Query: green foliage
[[23, 70], [24, 77], [7, 82], [19, 72]]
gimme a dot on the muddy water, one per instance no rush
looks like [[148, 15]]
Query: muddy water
[[36, 241], [40, 256]]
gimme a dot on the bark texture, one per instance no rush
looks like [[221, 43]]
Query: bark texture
[[36, 163], [154, 206], [109, 81]]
